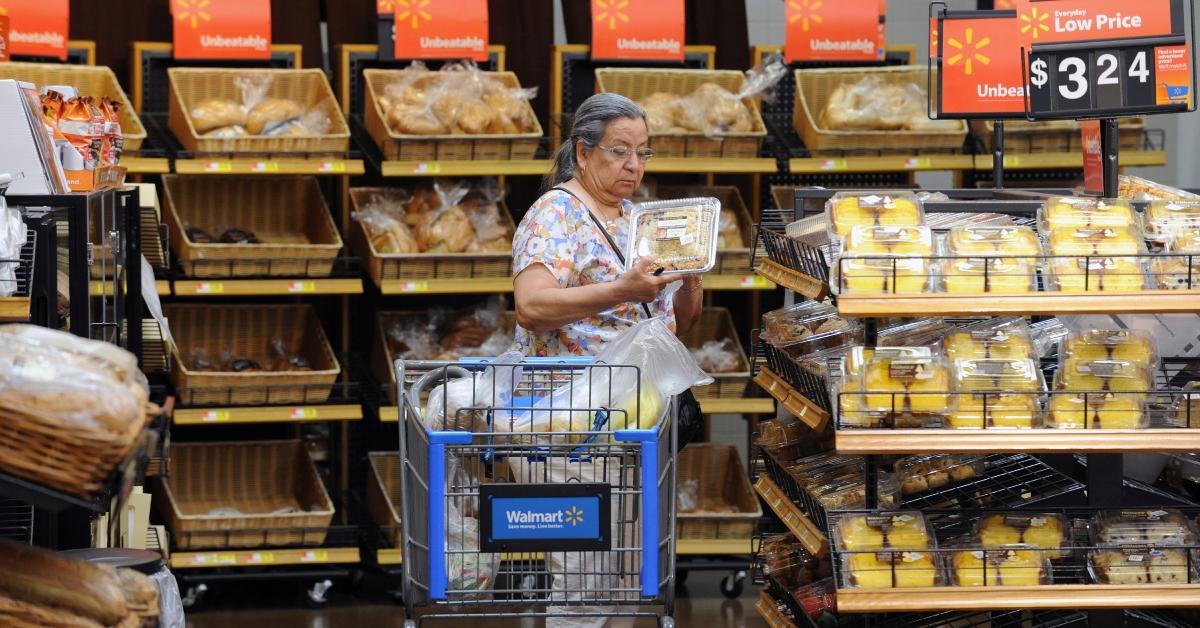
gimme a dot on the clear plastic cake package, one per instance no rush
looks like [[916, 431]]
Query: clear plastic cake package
[[808, 327], [1007, 337], [846, 210], [992, 241], [1092, 345], [1047, 531], [997, 375], [1157, 527], [1164, 219], [899, 530], [680, 235], [1085, 212]]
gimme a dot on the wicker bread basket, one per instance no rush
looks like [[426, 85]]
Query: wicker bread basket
[[243, 494], [638, 83], [247, 331], [310, 88], [815, 87], [716, 323], [287, 213], [401, 147], [88, 80], [726, 505], [383, 494]]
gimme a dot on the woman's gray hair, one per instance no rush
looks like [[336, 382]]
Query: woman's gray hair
[[591, 120]]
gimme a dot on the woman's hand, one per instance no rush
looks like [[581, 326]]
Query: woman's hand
[[640, 284]]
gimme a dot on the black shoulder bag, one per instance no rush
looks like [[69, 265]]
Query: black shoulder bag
[[691, 418]]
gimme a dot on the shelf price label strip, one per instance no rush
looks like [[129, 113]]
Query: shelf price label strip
[[253, 558]]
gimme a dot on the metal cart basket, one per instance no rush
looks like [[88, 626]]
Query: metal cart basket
[[544, 489]]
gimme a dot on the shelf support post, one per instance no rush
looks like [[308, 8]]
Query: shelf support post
[[998, 155]]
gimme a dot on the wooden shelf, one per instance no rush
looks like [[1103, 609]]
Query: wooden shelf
[[268, 414], [716, 547], [266, 287], [1053, 161], [265, 557], [389, 414], [887, 163], [805, 531], [766, 608], [479, 168], [1027, 304], [737, 282], [447, 286], [389, 557], [146, 165], [99, 288], [244, 165], [735, 405], [922, 441], [715, 165], [785, 277], [794, 402], [14, 309], [1074, 596]]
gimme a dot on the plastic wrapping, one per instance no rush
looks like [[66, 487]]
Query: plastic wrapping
[[458, 99], [170, 604], [883, 550], [808, 327], [12, 239], [1139, 189], [1096, 241], [257, 113], [997, 375], [1186, 410], [467, 569], [1177, 272], [972, 240], [717, 356], [788, 562], [999, 567], [1156, 527], [461, 404], [1047, 531], [847, 210], [729, 231], [680, 235], [857, 358], [1072, 212], [871, 104], [888, 569]]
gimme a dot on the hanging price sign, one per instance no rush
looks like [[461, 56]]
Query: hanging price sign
[[36, 27], [828, 30], [651, 30], [979, 67]]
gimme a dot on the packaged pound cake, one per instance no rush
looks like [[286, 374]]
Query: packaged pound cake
[[680, 235]]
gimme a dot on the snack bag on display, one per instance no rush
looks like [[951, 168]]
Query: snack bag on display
[[114, 140], [82, 126]]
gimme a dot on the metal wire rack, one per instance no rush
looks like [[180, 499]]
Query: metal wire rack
[[16, 521], [16, 275]]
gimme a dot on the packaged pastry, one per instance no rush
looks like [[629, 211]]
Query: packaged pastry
[[1179, 267], [788, 562], [1103, 375], [1046, 531], [1111, 344], [847, 210], [883, 275], [888, 241], [997, 375], [1140, 565], [919, 474], [1097, 274], [1106, 411], [1096, 241], [1086, 213], [1161, 527], [895, 385], [996, 338], [1187, 406], [1165, 218], [978, 275], [1139, 189], [993, 241], [924, 332], [902, 530], [892, 569], [857, 358], [1000, 567], [808, 327], [680, 235], [995, 410]]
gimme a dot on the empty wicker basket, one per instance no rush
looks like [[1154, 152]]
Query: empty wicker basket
[[288, 214], [88, 80], [725, 506], [216, 330], [383, 495], [716, 323], [309, 88], [243, 494]]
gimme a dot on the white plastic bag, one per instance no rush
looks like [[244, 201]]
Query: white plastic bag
[[461, 404], [467, 569], [170, 606]]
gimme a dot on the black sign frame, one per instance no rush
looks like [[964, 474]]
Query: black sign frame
[[936, 62], [601, 491]]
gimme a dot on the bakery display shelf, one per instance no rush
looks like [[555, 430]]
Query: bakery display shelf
[[917, 441], [465, 285], [1071, 160], [344, 278], [789, 513], [789, 263], [344, 404], [283, 163], [794, 402], [475, 168], [716, 547], [802, 379], [730, 283], [146, 165], [749, 405], [767, 608], [1026, 304], [265, 557], [880, 163]]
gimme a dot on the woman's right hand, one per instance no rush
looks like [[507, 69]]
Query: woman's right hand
[[640, 284]]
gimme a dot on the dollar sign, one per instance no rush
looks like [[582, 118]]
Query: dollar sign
[[1038, 75]]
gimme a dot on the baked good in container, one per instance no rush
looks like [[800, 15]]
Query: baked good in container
[[1103, 375], [999, 567], [847, 210], [994, 410], [1111, 344], [270, 113], [892, 569], [979, 275], [970, 240], [216, 113], [1111, 411], [680, 235], [1006, 342], [1139, 566], [885, 530], [1087, 213], [1095, 241], [1166, 218], [1041, 530], [894, 385], [1097, 274], [1158, 527]]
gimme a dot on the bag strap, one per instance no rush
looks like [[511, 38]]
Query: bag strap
[[607, 236]]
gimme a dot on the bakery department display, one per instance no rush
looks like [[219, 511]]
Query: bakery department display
[[447, 217]]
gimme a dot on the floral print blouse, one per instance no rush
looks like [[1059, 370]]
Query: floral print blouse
[[557, 233]]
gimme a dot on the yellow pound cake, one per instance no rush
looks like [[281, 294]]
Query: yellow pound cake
[[1009, 342], [920, 385], [1001, 410], [1112, 411], [889, 241], [871, 210], [999, 567], [884, 275], [1074, 212], [889, 570], [1102, 344], [1044, 531], [977, 275], [1106, 241], [1097, 274], [1103, 375], [901, 530], [968, 241]]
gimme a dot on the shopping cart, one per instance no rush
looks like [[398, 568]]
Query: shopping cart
[[503, 519], [1177, 94]]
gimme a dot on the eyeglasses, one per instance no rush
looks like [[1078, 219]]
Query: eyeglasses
[[622, 153]]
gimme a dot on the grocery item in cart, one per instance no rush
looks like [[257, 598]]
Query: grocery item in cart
[[1000, 567], [462, 403], [1158, 527], [680, 235], [1046, 531], [847, 210]]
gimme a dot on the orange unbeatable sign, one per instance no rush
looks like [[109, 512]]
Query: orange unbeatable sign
[[638, 29], [1057, 21], [441, 29], [37, 27], [834, 30], [222, 29], [981, 69]]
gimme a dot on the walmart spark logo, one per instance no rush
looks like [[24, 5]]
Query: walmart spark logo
[[192, 11], [413, 11], [969, 52], [805, 12], [612, 11], [574, 516], [1035, 23], [384, 6]]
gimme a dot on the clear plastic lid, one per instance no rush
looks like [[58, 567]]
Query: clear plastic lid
[[807, 327], [1110, 344], [1165, 218], [899, 530], [1096, 241], [779, 433], [919, 385], [858, 357], [1180, 268], [920, 474], [845, 497], [1184, 241], [847, 210], [1140, 566], [984, 275], [1097, 274], [1000, 567], [786, 560], [1158, 527], [997, 375], [866, 241], [925, 332], [992, 241], [1075, 212], [995, 410], [1187, 407], [680, 235], [894, 569], [993, 338], [875, 275], [1103, 375], [1105, 411], [1047, 531]]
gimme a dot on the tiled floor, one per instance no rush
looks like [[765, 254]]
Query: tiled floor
[[278, 605]]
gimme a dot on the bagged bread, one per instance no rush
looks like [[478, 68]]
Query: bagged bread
[[41, 577], [660, 110], [216, 113], [270, 113]]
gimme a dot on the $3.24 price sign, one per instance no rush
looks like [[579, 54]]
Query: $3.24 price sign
[[1109, 81]]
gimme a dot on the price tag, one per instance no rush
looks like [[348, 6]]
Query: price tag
[[260, 558], [1109, 80], [218, 166], [302, 286], [834, 164], [915, 163], [303, 413], [332, 166], [753, 281], [209, 287], [414, 286], [1012, 161], [427, 168], [314, 556], [214, 416], [264, 166]]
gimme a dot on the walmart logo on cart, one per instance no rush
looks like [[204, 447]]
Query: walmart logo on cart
[[535, 519]]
